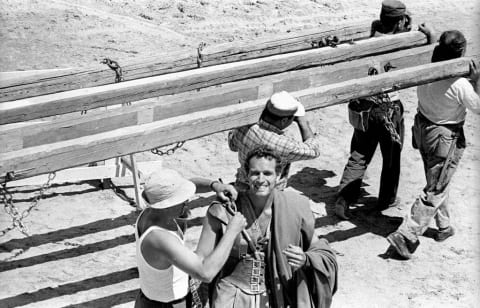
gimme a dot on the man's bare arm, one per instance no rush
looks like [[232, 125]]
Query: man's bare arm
[[304, 127]]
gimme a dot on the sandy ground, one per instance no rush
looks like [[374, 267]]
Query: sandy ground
[[80, 252]]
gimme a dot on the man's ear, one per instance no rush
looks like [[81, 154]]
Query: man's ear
[[280, 123], [408, 22], [278, 174]]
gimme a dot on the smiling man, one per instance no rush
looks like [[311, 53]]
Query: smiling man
[[277, 261], [281, 110]]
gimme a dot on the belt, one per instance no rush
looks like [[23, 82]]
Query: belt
[[456, 128], [248, 275], [453, 127]]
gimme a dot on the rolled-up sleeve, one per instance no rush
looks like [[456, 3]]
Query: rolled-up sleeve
[[309, 149]]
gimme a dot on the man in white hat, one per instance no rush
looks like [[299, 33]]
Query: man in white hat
[[281, 110], [164, 263]]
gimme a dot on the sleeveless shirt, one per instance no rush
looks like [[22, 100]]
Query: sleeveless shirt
[[164, 285]]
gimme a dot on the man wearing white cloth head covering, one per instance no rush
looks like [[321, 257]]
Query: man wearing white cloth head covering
[[281, 110]]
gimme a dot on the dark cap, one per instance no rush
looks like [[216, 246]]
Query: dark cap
[[393, 8]]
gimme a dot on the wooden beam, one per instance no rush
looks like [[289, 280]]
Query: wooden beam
[[19, 76], [59, 129], [226, 53], [170, 63], [124, 92], [65, 154], [87, 173]]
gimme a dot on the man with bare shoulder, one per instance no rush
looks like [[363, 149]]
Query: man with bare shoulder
[[278, 261]]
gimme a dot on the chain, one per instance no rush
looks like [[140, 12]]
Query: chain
[[170, 151], [387, 110], [11, 209], [329, 40], [199, 53], [387, 107], [113, 65]]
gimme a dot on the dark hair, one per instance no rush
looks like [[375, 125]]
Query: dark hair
[[451, 45], [263, 152], [270, 117], [389, 22]]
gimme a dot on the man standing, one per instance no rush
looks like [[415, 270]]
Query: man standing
[[377, 120], [164, 262], [278, 261], [282, 109], [438, 135]]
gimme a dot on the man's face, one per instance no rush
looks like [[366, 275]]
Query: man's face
[[262, 177], [286, 122]]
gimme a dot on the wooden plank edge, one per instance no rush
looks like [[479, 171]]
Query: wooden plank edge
[[79, 174], [232, 93], [83, 99], [170, 63], [214, 56]]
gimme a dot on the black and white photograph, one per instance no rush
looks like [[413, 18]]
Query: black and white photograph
[[240, 153]]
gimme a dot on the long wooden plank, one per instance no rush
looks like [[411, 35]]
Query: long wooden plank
[[173, 62], [19, 76], [65, 154], [214, 55], [86, 173], [16, 138], [83, 99]]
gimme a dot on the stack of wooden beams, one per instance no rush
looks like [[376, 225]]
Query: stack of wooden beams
[[188, 104]]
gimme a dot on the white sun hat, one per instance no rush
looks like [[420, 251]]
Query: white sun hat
[[166, 188], [283, 104]]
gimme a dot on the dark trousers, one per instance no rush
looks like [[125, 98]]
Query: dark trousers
[[144, 302], [362, 149]]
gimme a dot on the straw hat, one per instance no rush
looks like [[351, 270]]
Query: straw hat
[[166, 188], [283, 104]]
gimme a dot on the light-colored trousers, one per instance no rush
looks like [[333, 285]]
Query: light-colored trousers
[[434, 142]]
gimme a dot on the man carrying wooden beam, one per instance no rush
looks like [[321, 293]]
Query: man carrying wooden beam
[[438, 135], [281, 111], [377, 119]]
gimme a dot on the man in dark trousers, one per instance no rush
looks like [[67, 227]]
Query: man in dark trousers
[[377, 119]]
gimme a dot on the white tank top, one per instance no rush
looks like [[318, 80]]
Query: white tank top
[[160, 285]]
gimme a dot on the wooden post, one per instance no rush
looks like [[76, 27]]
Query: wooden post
[[136, 183]]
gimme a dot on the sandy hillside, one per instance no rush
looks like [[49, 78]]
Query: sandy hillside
[[81, 253]]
